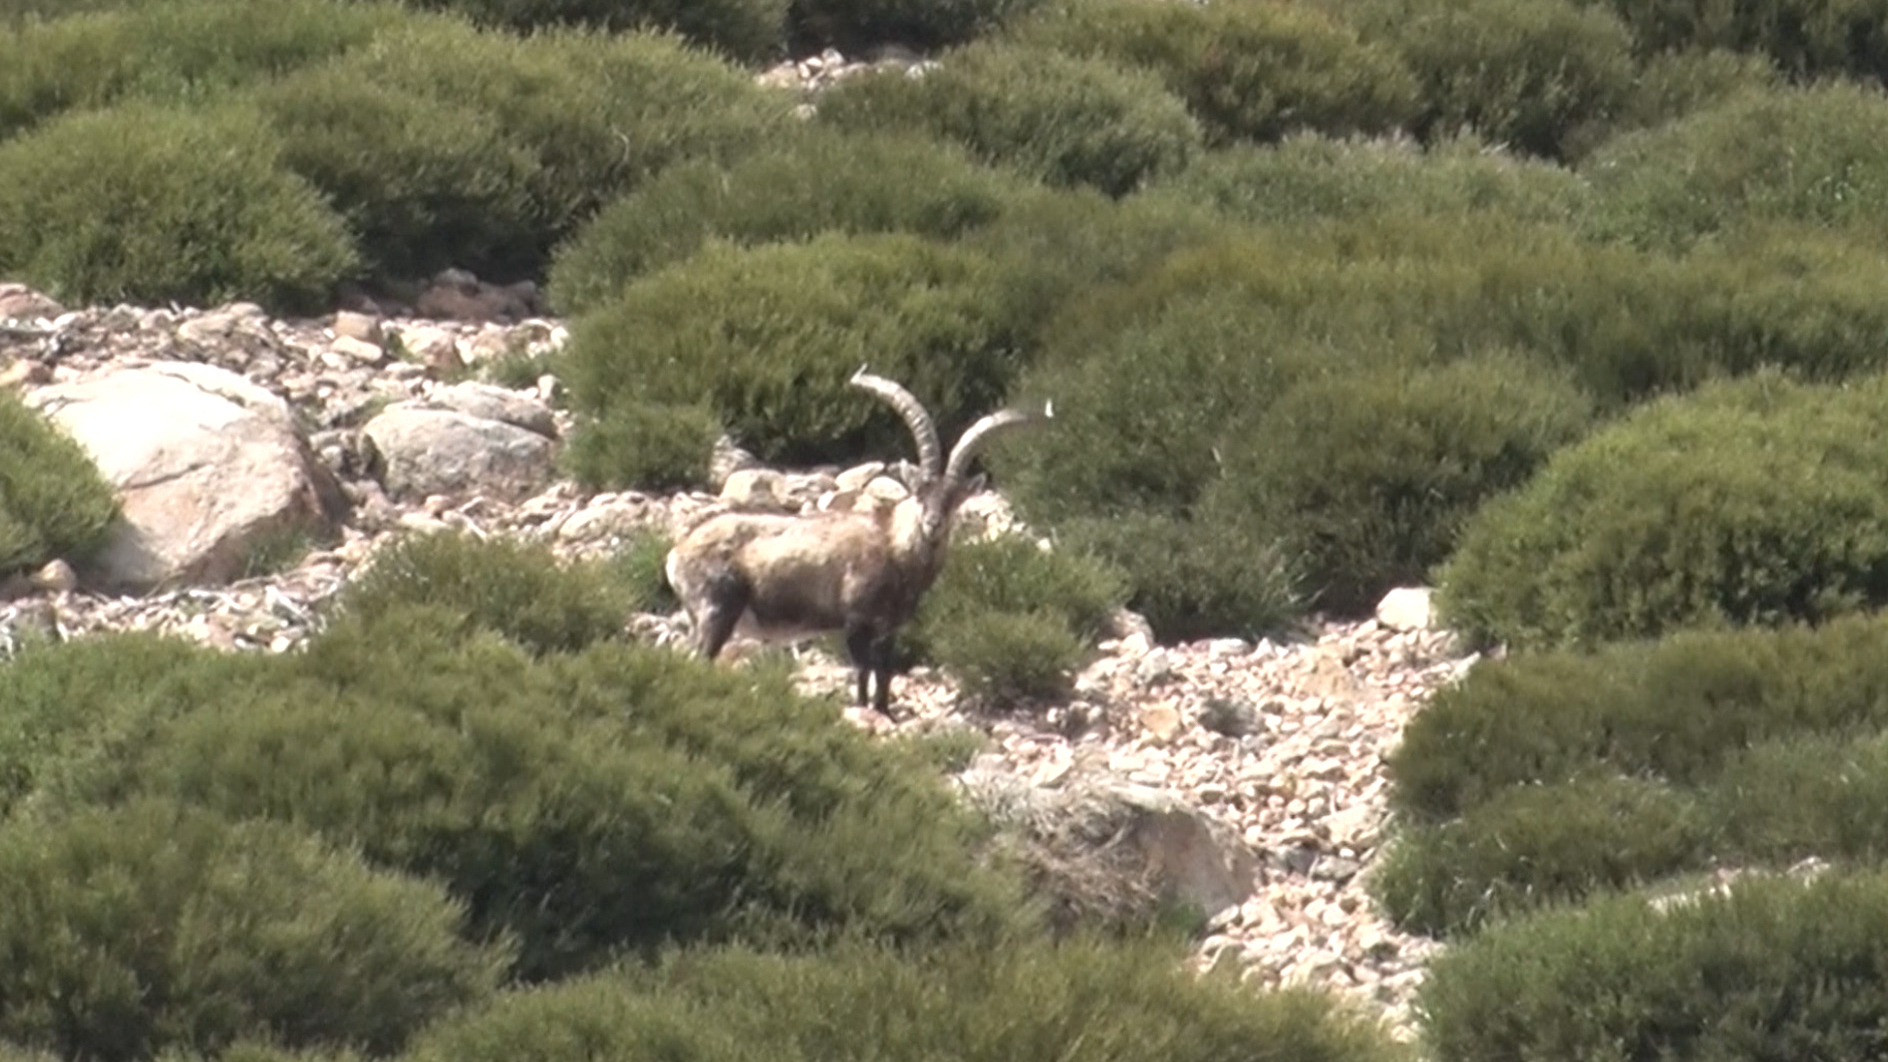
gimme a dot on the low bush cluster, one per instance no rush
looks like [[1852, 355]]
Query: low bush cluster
[[152, 925], [853, 26], [365, 139], [644, 445], [1309, 177], [1368, 478], [812, 181], [54, 503], [519, 590], [158, 204], [766, 337], [1249, 70], [1552, 776], [1806, 39], [582, 805], [1011, 620], [565, 122], [424, 184], [169, 51], [1082, 1000], [743, 30], [1813, 155], [1057, 118], [1542, 76], [1775, 968], [1757, 501]]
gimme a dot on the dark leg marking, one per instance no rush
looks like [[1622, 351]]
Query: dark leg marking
[[883, 652], [859, 645], [728, 599]]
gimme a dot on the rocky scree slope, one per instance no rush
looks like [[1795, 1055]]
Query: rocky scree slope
[[1244, 778]]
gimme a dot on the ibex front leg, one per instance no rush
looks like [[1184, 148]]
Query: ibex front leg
[[871, 655]]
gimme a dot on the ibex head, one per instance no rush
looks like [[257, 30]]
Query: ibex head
[[943, 484]]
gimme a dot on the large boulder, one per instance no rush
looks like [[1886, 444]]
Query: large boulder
[[1106, 850], [209, 469]]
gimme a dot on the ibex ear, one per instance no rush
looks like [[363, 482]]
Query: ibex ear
[[973, 486]]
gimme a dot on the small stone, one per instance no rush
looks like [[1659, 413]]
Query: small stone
[[759, 487], [856, 477], [1154, 667], [353, 325], [358, 351], [56, 576], [1162, 722]]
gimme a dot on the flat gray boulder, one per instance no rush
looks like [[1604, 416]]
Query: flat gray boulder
[[451, 452], [208, 467]]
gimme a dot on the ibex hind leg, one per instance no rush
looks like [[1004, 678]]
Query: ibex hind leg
[[718, 617]]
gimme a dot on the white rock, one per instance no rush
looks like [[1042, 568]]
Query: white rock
[[1406, 608], [206, 464]]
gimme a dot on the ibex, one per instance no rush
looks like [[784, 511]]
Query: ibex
[[778, 577]]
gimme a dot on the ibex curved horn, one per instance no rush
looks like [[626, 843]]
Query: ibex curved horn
[[930, 451], [979, 434]]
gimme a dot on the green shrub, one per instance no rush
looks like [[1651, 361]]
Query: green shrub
[[1778, 968], [1674, 710], [643, 446], [22, 12], [1059, 242], [767, 337], [1309, 177], [516, 589], [637, 570], [1010, 573], [424, 184], [149, 205], [1813, 155], [1060, 119], [261, 1051], [816, 180], [1083, 1001], [1249, 70], [1001, 657], [597, 113], [1536, 846], [1672, 85], [53, 500], [585, 805], [1011, 620], [1807, 39], [152, 925], [1757, 501], [1367, 477], [1142, 404], [855, 25], [94, 692], [1816, 794], [1542, 76], [744, 30], [1196, 577], [172, 50]]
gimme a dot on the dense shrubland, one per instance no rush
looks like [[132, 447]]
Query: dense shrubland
[[1572, 308]]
